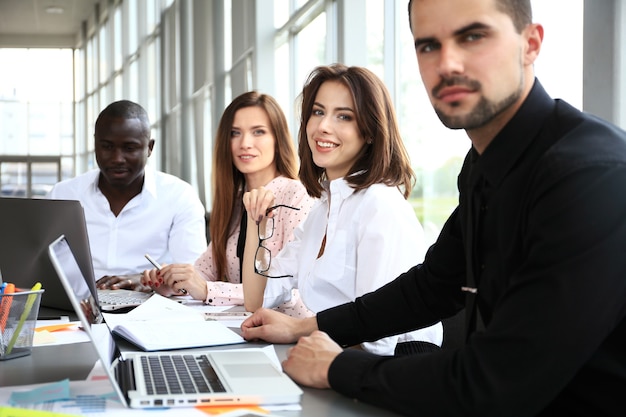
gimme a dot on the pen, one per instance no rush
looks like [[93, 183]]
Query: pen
[[158, 266], [226, 315], [27, 307], [153, 262]]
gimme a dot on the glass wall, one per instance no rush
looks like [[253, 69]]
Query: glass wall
[[302, 42], [184, 60], [36, 116]]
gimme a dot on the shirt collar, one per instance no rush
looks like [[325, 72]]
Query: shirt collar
[[516, 136], [149, 182], [339, 186]]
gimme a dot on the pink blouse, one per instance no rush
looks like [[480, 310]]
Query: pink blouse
[[286, 191]]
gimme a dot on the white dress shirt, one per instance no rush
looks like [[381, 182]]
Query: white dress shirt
[[372, 236], [166, 220]]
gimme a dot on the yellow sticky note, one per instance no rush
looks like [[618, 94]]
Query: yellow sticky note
[[24, 412], [43, 338]]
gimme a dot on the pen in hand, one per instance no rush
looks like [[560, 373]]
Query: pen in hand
[[158, 267]]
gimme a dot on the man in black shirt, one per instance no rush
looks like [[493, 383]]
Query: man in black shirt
[[535, 251]]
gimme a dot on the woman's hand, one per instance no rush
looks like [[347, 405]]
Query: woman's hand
[[257, 202], [176, 279]]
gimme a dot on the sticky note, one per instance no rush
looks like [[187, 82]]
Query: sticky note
[[49, 392], [217, 410], [23, 412], [43, 338]]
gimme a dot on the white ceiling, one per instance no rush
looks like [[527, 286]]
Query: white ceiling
[[26, 23]]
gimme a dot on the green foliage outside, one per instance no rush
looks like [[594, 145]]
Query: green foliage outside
[[435, 194], [435, 210]]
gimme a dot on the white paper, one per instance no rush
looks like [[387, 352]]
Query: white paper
[[164, 335], [162, 324]]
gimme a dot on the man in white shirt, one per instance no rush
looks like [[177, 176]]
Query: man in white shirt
[[131, 210]]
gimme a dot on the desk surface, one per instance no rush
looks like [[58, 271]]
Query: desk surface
[[74, 361]]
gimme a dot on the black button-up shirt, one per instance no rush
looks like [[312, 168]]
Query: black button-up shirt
[[540, 231]]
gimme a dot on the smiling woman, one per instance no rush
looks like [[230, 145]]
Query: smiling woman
[[253, 148], [362, 233]]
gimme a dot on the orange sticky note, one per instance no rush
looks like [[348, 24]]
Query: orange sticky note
[[221, 409], [56, 327]]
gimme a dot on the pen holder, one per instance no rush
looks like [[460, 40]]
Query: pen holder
[[18, 317]]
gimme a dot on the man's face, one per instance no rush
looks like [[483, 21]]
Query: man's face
[[122, 150], [471, 60]]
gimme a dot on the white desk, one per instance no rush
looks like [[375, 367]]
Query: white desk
[[74, 361]]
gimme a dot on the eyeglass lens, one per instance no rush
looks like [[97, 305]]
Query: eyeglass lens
[[267, 231], [262, 259]]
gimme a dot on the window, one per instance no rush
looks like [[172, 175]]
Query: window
[[436, 152], [36, 113]]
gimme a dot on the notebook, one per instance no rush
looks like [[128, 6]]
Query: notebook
[[27, 226], [187, 378]]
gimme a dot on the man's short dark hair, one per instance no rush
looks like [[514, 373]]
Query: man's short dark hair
[[520, 11], [125, 109]]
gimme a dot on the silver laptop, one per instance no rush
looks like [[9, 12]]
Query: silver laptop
[[182, 378], [27, 227]]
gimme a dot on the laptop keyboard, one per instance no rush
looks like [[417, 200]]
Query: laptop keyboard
[[123, 298], [180, 374]]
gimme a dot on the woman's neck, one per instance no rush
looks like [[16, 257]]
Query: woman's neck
[[255, 181]]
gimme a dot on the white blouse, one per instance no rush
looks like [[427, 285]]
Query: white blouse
[[372, 236]]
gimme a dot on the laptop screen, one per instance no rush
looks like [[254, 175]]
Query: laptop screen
[[72, 278], [27, 227]]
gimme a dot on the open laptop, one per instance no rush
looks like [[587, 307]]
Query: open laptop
[[196, 377], [27, 226]]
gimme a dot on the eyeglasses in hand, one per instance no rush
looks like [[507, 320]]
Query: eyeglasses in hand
[[263, 257]]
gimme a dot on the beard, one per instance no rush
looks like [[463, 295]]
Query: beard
[[485, 110]]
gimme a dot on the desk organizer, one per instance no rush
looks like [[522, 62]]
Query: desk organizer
[[18, 317]]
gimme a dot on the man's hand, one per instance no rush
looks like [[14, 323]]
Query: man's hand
[[275, 327], [308, 362], [126, 282]]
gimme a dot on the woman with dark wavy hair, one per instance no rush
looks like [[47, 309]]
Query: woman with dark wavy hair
[[253, 148], [363, 232]]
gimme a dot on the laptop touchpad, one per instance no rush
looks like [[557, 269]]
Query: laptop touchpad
[[251, 370]]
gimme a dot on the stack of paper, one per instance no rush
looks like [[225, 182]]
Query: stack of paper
[[161, 324]]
